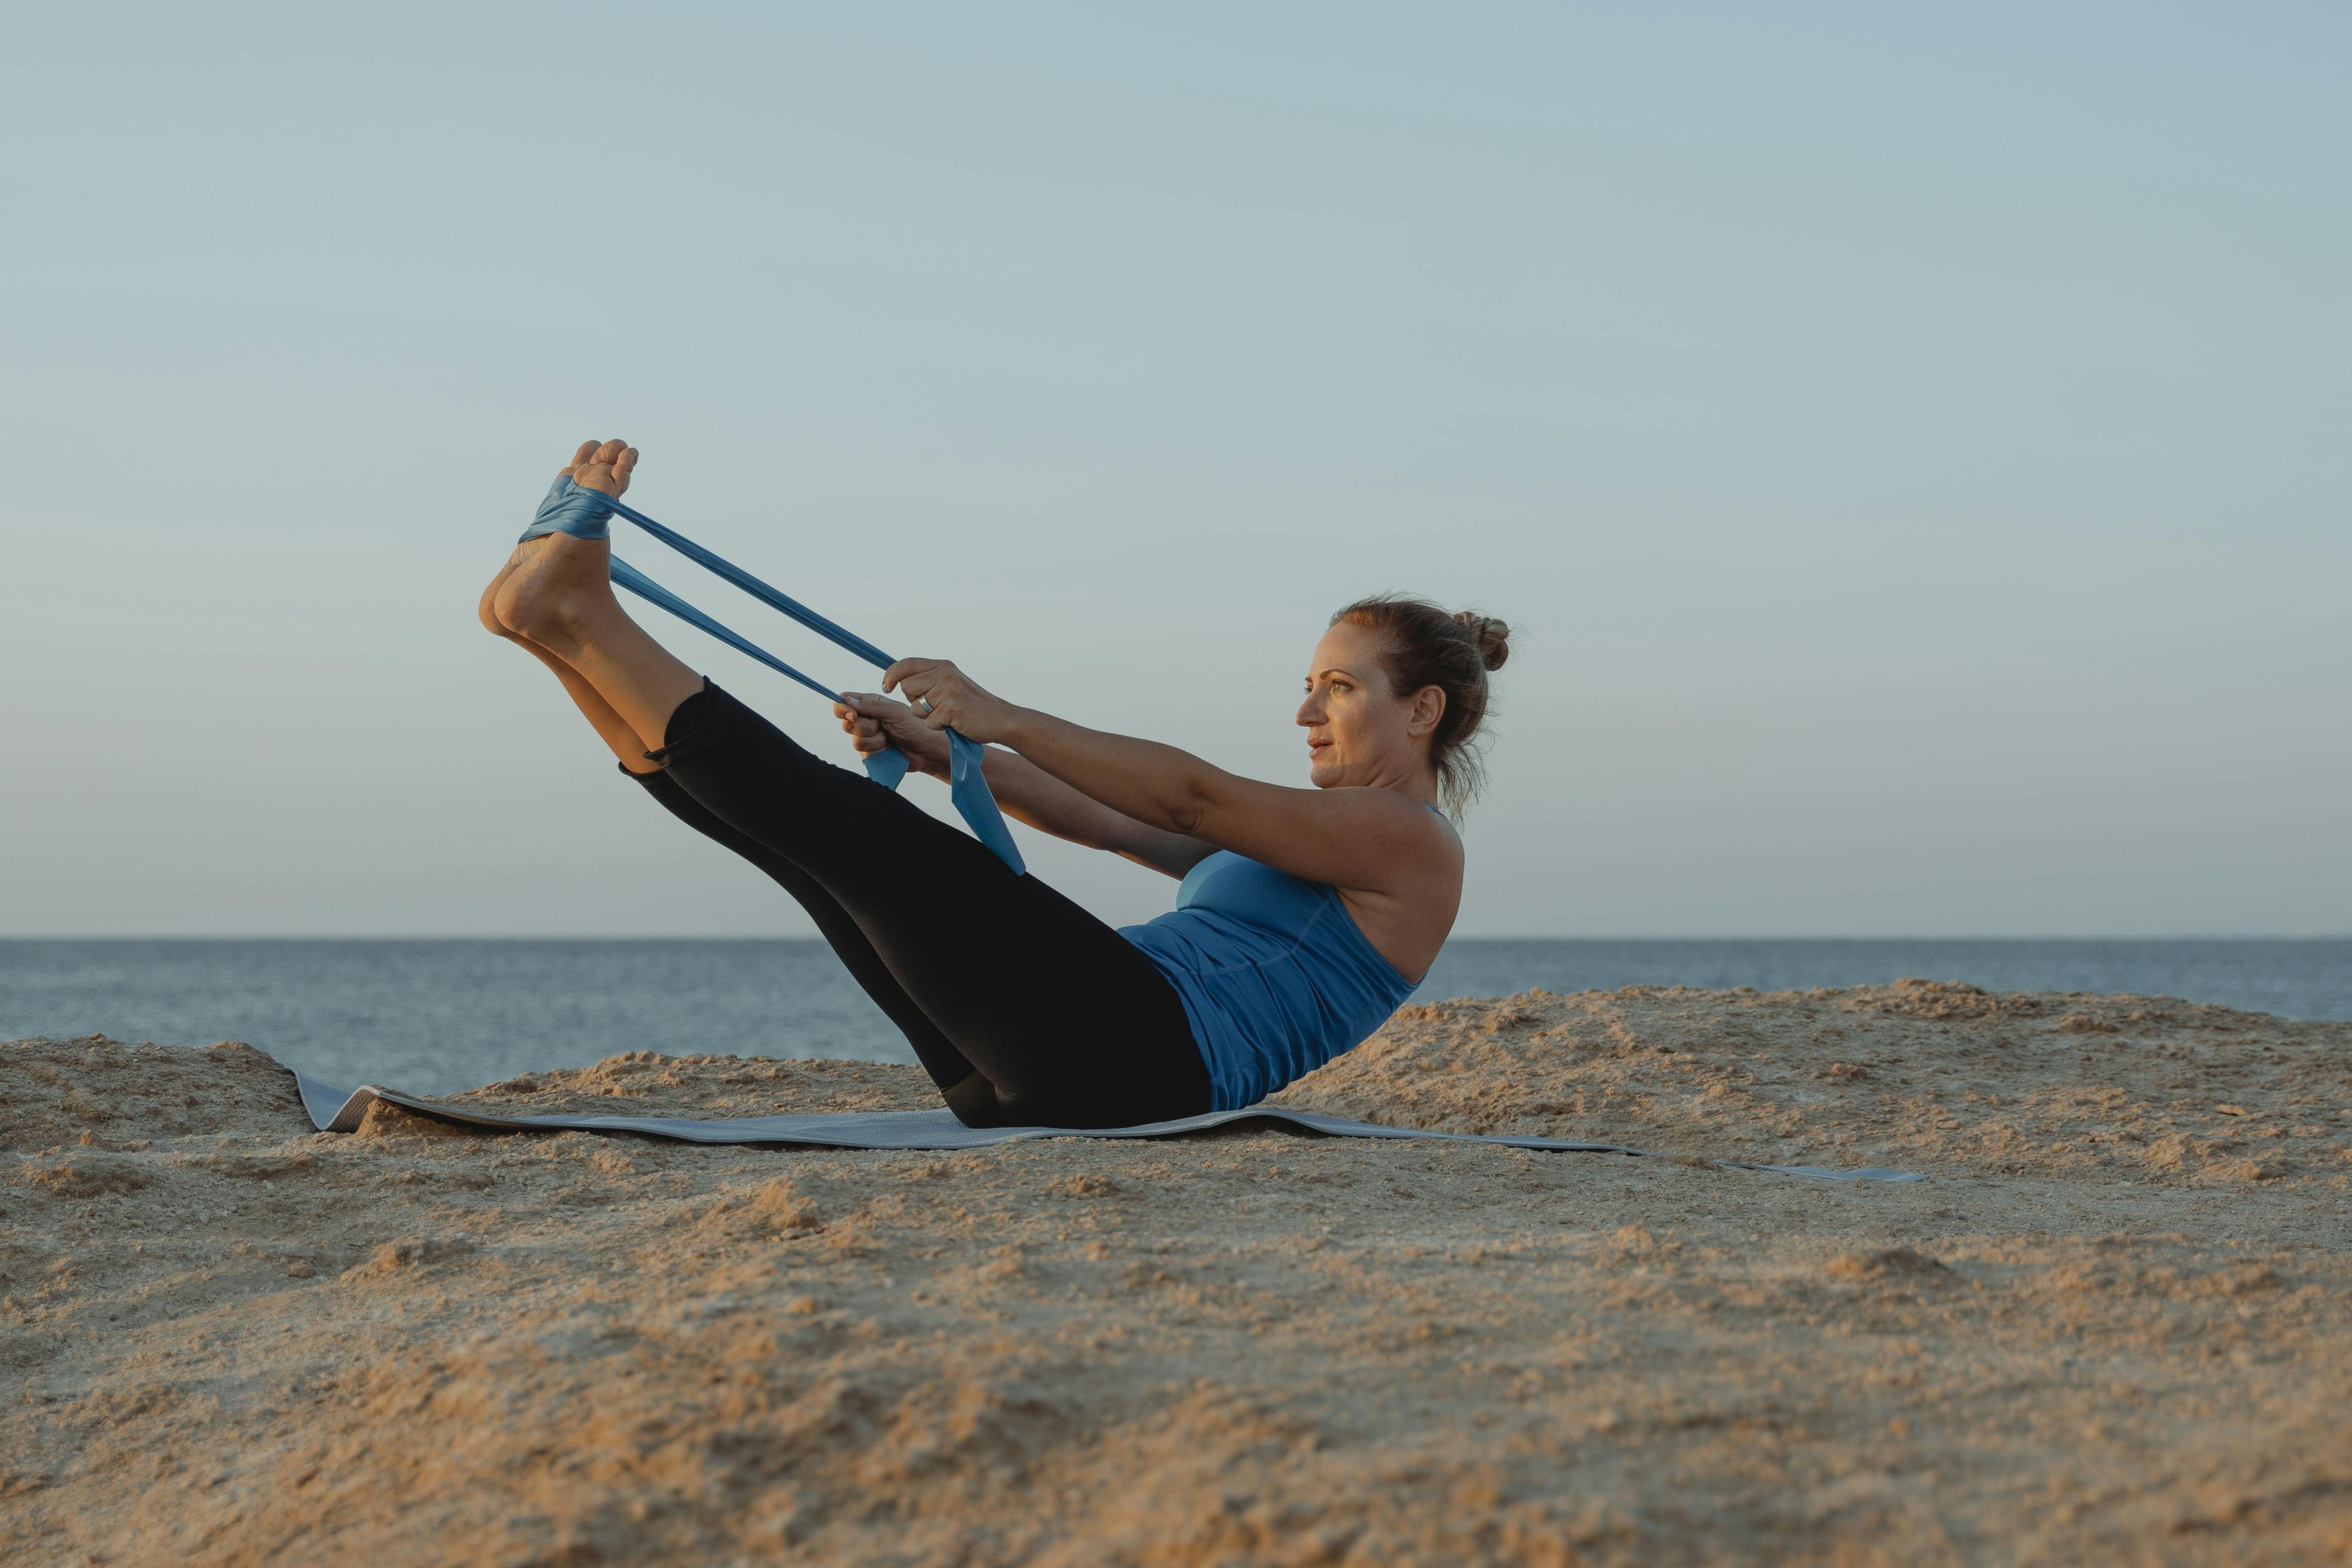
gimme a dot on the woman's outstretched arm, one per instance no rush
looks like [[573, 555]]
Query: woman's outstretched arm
[[1371, 840], [1027, 793]]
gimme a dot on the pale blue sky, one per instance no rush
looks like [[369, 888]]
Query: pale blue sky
[[1911, 441]]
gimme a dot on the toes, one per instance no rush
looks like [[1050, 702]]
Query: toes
[[617, 455]]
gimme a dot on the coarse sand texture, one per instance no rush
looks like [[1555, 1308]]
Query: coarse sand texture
[[2111, 1327]]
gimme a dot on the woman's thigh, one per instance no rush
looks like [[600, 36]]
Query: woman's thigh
[[946, 1066], [1069, 1021]]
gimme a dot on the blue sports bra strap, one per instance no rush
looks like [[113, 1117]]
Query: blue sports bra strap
[[575, 509]]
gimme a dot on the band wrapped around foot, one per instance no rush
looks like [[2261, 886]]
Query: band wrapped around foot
[[570, 508]]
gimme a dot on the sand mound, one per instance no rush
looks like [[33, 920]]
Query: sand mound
[[2110, 1328], [1922, 1075]]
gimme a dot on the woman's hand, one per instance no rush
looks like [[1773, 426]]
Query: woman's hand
[[874, 723], [944, 697]]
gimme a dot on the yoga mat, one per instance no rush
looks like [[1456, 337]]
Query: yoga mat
[[335, 1110]]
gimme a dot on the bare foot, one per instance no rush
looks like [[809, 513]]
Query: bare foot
[[553, 587], [487, 607]]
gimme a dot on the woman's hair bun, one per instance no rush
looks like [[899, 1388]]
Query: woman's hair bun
[[1493, 637]]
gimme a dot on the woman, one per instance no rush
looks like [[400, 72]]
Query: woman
[[1304, 917]]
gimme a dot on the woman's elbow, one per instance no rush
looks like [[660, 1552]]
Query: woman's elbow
[[1188, 809]]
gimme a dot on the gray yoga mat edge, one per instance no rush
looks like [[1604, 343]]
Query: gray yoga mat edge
[[333, 1109]]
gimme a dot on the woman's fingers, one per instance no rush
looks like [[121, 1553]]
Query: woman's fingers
[[586, 451], [923, 672], [938, 693], [930, 686], [864, 730], [866, 726], [866, 705]]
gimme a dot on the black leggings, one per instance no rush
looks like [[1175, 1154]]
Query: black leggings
[[1025, 1008]]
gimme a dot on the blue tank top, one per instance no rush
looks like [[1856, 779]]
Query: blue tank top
[[1274, 976]]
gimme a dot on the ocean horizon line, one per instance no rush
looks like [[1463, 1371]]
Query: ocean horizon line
[[811, 937]]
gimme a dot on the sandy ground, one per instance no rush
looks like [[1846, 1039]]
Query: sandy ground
[[2114, 1327]]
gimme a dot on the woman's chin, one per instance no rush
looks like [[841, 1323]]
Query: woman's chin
[[1324, 774]]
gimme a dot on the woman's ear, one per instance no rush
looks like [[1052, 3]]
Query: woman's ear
[[1428, 708]]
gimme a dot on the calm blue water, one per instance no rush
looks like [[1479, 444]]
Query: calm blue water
[[433, 1016]]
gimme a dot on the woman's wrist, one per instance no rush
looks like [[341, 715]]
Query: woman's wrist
[[1020, 724]]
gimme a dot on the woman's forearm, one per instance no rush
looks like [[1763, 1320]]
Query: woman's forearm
[[1159, 786], [1355, 839], [1029, 795], [1025, 792]]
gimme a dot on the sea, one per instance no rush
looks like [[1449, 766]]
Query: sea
[[434, 1015]]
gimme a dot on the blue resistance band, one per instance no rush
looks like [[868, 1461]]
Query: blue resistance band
[[575, 509]]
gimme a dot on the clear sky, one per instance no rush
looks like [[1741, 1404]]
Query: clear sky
[[1911, 440]]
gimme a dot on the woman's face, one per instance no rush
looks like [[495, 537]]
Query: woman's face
[[1357, 731]]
